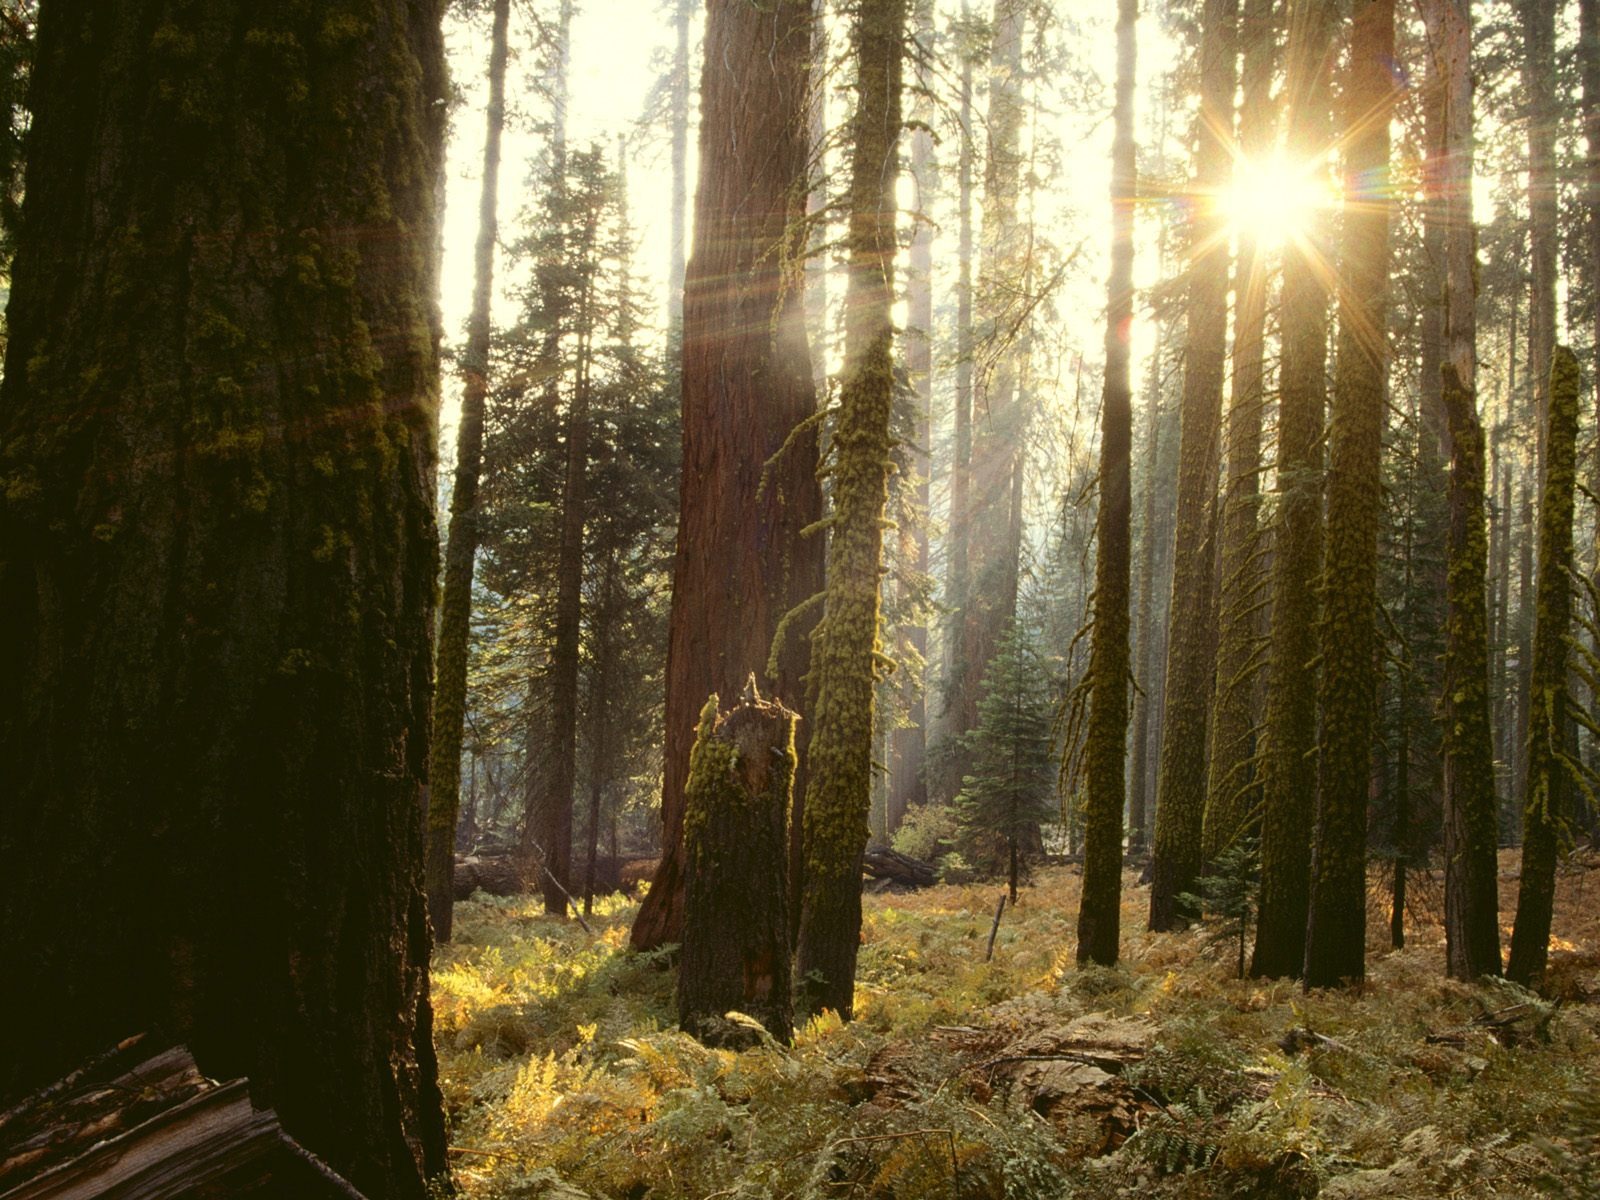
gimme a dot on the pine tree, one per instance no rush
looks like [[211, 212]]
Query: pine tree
[[1012, 786]]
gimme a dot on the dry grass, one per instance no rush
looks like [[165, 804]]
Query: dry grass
[[564, 1077]]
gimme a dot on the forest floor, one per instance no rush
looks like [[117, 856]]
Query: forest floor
[[1025, 1076]]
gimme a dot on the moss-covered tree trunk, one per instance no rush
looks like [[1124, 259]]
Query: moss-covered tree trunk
[[1550, 765], [845, 646], [1288, 769], [1191, 621], [735, 952], [455, 607], [217, 559], [1336, 929], [1543, 112], [1472, 932], [741, 563], [1231, 797], [1100, 908], [1144, 630]]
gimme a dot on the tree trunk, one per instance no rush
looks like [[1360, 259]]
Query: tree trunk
[[1100, 909], [741, 563], [1231, 795], [455, 608], [1191, 649], [599, 716], [845, 644], [1470, 822], [1550, 765], [682, 17], [218, 557], [1145, 626], [1336, 930], [735, 832], [1544, 118], [1290, 723], [909, 787]]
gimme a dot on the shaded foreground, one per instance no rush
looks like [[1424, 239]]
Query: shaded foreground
[[564, 1076]]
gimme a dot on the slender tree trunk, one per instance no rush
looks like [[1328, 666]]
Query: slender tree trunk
[[845, 645], [741, 563], [1100, 909], [1544, 117], [1289, 725], [218, 560], [682, 17], [455, 608], [1550, 765], [1471, 902], [1145, 628], [1336, 931], [909, 787], [1191, 649], [1231, 797], [602, 671]]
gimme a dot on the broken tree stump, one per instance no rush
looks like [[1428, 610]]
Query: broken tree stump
[[735, 952]]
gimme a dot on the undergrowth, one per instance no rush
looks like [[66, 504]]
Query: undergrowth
[[564, 1077]]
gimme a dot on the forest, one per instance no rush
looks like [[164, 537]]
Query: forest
[[716, 599]]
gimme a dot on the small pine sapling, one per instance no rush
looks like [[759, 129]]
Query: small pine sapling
[[1231, 894]]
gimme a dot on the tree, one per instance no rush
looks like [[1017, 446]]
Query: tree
[[1099, 909], [1289, 725], [1336, 931], [749, 453], [1472, 931], [1012, 787], [845, 646], [1181, 782], [461, 551], [218, 557], [1551, 767]]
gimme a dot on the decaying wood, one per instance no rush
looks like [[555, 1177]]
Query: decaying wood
[[882, 863]]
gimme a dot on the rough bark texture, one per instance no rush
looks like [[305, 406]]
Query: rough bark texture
[[845, 646], [217, 559], [1550, 766], [455, 607], [1472, 932], [1145, 634], [1231, 794], [735, 952], [1289, 727], [741, 563], [1100, 909], [1336, 929], [1543, 117], [1191, 649]]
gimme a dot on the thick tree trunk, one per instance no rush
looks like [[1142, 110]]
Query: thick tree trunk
[[741, 563], [1100, 909], [736, 927], [845, 646], [1289, 726], [1191, 648], [455, 608], [1550, 765], [1231, 795], [1470, 822], [1543, 117], [218, 557], [1145, 625], [1336, 930]]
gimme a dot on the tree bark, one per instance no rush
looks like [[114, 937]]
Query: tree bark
[[682, 16], [1100, 909], [1550, 765], [1191, 648], [1289, 726], [1145, 625], [845, 646], [736, 926], [1336, 930], [218, 557], [455, 608], [1472, 936], [741, 563]]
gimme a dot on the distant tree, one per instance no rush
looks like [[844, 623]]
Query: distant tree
[[218, 560], [1011, 790], [1105, 739]]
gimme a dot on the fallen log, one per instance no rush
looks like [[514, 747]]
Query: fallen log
[[885, 864], [502, 875]]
